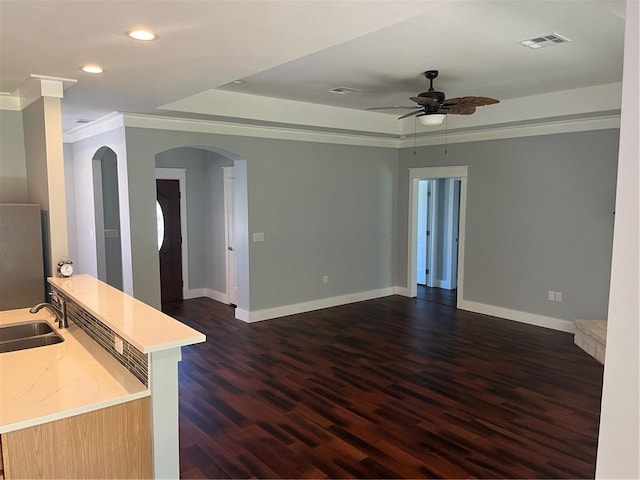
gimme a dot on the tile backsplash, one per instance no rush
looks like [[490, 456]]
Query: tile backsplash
[[131, 358]]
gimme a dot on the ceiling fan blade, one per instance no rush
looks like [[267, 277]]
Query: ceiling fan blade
[[470, 101], [393, 108], [424, 101], [411, 114], [461, 110]]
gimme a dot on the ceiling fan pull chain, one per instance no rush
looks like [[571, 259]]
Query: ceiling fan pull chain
[[446, 133], [415, 134]]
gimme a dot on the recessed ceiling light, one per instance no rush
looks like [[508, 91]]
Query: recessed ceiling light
[[92, 68], [142, 35]]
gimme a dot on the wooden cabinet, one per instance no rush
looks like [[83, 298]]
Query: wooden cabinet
[[114, 442]]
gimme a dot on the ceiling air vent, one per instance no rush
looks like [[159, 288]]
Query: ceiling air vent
[[343, 90], [545, 41]]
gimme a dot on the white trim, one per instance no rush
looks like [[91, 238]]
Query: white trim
[[217, 296], [104, 124], [9, 102], [229, 236], [439, 283], [404, 291], [506, 131], [305, 133], [269, 313], [207, 292], [180, 174], [299, 133], [195, 293], [428, 173], [432, 240], [518, 316]]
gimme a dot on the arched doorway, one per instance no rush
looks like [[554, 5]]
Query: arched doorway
[[107, 217], [206, 179]]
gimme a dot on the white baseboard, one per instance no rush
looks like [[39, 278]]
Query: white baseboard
[[195, 293], [269, 313], [446, 284], [404, 291], [207, 292], [518, 316], [506, 313]]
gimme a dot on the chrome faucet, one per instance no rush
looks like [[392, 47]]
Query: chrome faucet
[[60, 313]]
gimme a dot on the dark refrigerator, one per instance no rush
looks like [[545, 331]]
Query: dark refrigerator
[[21, 259]]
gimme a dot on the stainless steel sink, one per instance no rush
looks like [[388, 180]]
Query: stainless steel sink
[[27, 335]]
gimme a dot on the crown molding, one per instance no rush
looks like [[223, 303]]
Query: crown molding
[[104, 124], [535, 127], [546, 126]]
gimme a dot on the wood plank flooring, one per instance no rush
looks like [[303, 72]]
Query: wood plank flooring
[[437, 295], [388, 388]]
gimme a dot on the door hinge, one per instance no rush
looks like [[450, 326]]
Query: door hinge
[[428, 232], [427, 271]]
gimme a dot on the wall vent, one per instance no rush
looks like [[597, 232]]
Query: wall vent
[[545, 41]]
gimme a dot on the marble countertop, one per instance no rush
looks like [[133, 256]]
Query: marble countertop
[[146, 328], [43, 384]]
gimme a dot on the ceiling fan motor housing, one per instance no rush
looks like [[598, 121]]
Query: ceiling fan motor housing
[[433, 95]]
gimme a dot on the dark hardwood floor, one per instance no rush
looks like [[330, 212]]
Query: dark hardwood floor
[[437, 295], [388, 388]]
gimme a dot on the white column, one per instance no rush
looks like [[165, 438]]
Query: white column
[[163, 383]]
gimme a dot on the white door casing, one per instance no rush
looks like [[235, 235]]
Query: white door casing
[[427, 173]]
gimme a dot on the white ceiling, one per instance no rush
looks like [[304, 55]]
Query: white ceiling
[[298, 50]]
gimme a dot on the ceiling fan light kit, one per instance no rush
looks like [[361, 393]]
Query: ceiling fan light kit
[[430, 120]]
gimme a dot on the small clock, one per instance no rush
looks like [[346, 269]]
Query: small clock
[[65, 267]]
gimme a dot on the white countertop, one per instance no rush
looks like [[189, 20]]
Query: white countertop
[[49, 383], [146, 328]]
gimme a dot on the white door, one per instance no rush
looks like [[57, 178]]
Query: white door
[[232, 283]]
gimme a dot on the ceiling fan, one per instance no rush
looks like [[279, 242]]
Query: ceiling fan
[[433, 105]]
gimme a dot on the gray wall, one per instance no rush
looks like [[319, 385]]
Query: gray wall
[[539, 218], [324, 209], [13, 167]]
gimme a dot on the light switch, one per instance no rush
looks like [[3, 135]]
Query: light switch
[[258, 237]]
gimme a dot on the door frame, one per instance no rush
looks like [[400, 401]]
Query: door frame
[[430, 173], [180, 175]]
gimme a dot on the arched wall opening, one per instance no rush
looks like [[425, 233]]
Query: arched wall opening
[[203, 175], [107, 217]]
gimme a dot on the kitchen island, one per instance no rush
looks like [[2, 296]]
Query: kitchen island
[[117, 352]]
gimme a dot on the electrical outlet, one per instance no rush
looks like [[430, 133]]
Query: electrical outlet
[[552, 296], [325, 279], [118, 344], [558, 296]]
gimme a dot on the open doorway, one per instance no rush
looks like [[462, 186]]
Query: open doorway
[[437, 240], [441, 252], [213, 223]]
